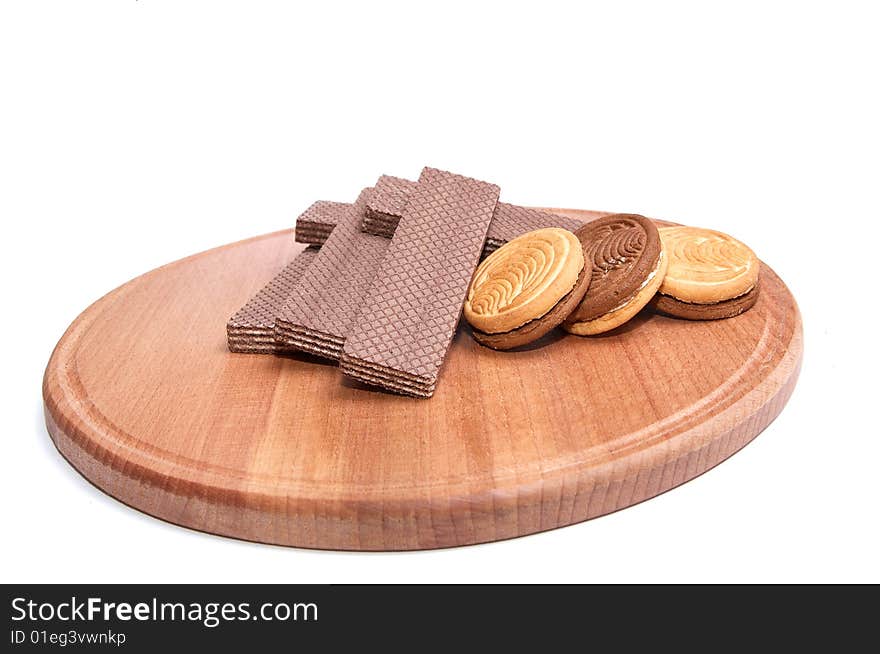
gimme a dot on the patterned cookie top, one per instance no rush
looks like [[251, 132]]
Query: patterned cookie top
[[706, 266], [523, 279], [623, 250]]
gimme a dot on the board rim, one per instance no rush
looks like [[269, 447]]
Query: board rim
[[86, 452]]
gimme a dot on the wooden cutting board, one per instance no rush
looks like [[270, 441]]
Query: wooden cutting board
[[143, 398]]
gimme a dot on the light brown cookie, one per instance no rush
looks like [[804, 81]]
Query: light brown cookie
[[706, 266], [526, 288]]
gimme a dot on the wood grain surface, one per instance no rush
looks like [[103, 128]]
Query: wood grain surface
[[143, 398]]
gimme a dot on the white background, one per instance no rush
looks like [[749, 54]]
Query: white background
[[134, 133]]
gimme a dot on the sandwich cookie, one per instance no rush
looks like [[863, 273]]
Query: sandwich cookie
[[627, 264], [526, 287], [711, 275]]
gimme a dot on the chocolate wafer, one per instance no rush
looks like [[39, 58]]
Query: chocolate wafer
[[387, 204], [252, 328], [413, 306], [511, 220], [315, 223], [322, 307], [383, 215]]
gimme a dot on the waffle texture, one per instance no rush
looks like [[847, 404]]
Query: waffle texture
[[388, 201], [252, 328], [413, 306], [315, 223], [387, 204], [321, 308]]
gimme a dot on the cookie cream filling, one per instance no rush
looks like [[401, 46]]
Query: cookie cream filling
[[644, 284], [746, 292]]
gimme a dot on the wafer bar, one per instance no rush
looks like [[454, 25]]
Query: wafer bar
[[252, 328], [512, 220], [380, 220], [315, 223], [386, 206], [322, 307], [413, 305]]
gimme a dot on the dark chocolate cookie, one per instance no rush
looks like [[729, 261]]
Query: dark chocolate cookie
[[623, 251]]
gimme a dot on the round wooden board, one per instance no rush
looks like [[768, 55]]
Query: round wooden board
[[143, 398]]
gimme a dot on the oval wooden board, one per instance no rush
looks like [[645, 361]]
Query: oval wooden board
[[143, 398]]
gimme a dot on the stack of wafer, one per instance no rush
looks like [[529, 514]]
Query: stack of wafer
[[315, 223], [252, 328], [319, 312]]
